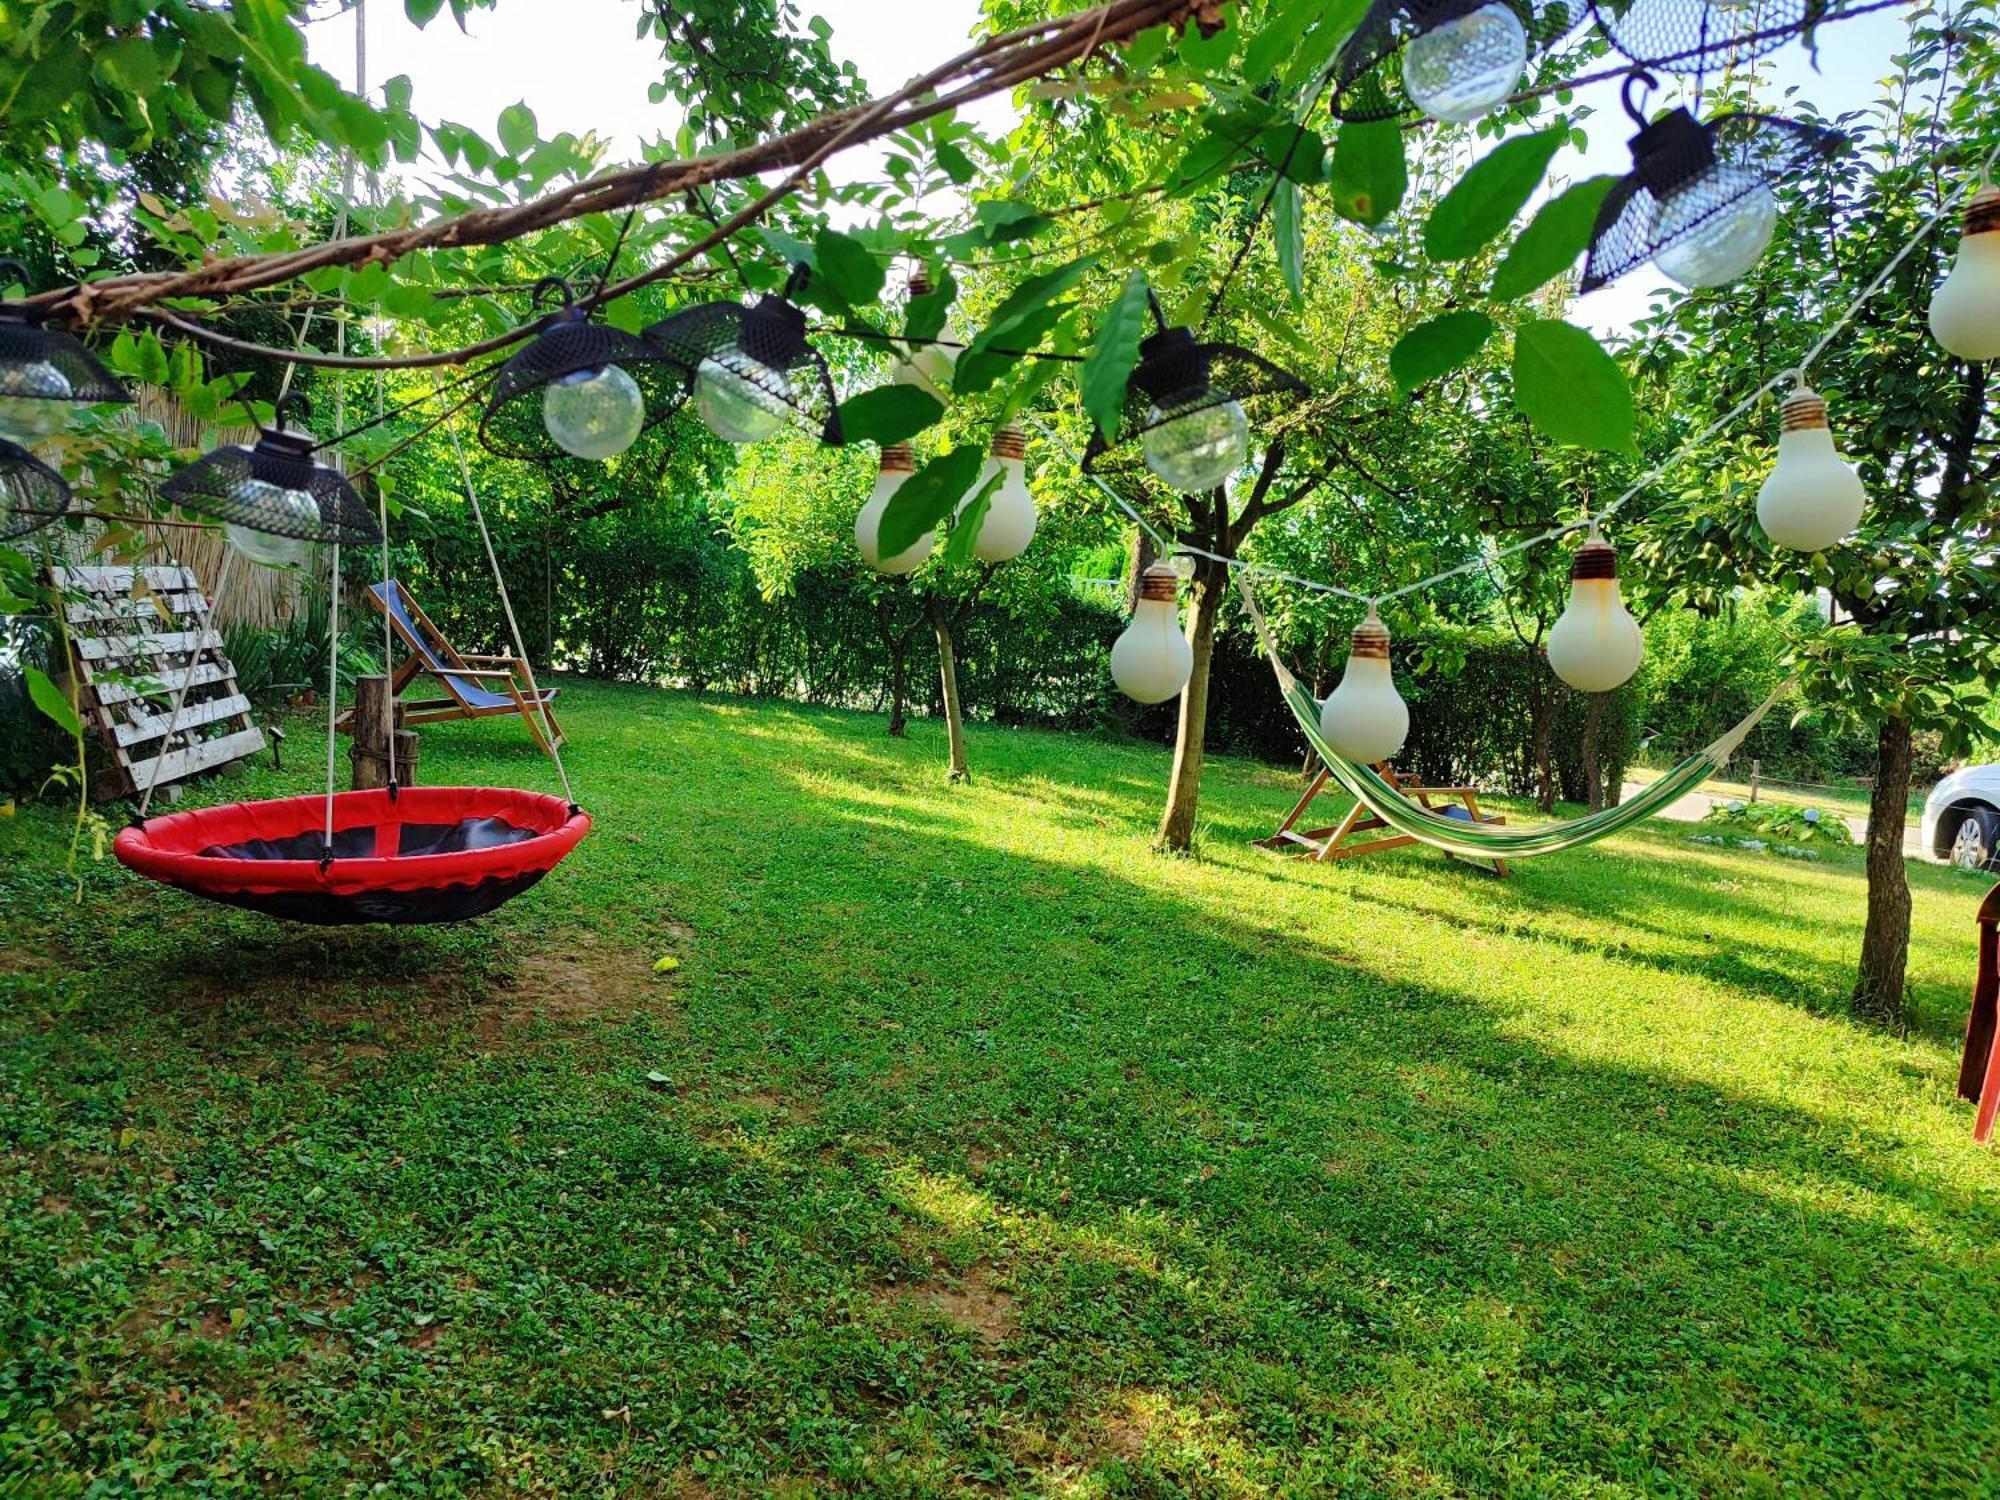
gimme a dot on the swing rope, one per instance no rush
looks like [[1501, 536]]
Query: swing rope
[[332, 697], [549, 733]]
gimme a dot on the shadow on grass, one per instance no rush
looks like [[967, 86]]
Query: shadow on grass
[[1272, 1211]]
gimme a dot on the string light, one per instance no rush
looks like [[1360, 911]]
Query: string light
[[1965, 309], [1152, 660]]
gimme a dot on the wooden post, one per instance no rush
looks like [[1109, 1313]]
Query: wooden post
[[1756, 775], [374, 701]]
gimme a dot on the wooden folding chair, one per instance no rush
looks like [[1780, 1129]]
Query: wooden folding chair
[[478, 686], [1327, 844]]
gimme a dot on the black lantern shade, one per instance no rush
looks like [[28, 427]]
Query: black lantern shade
[[1696, 186], [276, 488], [571, 349], [1695, 36], [1458, 58], [45, 372], [1178, 378], [752, 362], [31, 493]]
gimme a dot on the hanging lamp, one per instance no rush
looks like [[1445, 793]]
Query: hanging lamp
[[1699, 200], [1185, 406], [275, 490], [1596, 645], [1460, 59], [1701, 36], [754, 370], [579, 389], [925, 364], [45, 374], [31, 493]]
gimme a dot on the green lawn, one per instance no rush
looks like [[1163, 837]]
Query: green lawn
[[995, 1154]]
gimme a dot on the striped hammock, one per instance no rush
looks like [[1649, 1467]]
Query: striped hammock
[[1486, 841]]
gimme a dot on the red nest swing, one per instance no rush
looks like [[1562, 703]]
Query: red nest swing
[[431, 854], [414, 855]]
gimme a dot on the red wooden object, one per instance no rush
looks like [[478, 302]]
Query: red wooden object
[[1979, 1069]]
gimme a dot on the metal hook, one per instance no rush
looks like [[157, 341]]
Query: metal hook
[[22, 275], [1159, 313], [551, 284], [296, 400], [796, 282], [1635, 77]]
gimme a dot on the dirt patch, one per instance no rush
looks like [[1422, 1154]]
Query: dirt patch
[[974, 1302], [579, 983]]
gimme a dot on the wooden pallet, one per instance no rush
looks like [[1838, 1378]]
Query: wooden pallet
[[134, 635]]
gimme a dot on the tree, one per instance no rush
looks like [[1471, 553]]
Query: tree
[[1912, 594]]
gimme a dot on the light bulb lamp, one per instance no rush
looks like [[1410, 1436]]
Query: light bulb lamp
[[1699, 200], [1152, 661], [899, 462], [1365, 719], [1812, 497], [755, 372], [925, 364], [1595, 645], [1700, 36], [45, 374], [1189, 406], [1459, 59], [31, 493], [1965, 309], [276, 491], [1009, 523], [578, 388]]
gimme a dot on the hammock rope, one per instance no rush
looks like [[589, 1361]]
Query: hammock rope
[[1489, 841]]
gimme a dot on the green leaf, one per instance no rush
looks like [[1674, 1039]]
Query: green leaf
[[50, 700], [1288, 228], [1367, 173], [847, 267], [1278, 37], [956, 164], [1570, 388], [517, 129], [1553, 239], [1108, 368], [422, 12], [1437, 348], [971, 516], [1484, 201], [1025, 304], [927, 313], [927, 497], [889, 414], [1003, 220], [977, 370]]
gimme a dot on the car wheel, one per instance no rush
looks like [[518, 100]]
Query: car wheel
[[1978, 838]]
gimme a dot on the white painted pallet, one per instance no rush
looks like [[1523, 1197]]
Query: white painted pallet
[[136, 635]]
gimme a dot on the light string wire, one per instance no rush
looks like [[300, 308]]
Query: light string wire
[[1791, 373]]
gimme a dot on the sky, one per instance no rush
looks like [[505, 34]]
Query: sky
[[577, 65]]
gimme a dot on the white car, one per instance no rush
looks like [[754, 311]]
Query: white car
[[1962, 819]]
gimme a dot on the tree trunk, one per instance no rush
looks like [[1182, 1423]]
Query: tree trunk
[[1593, 778], [954, 718], [1547, 697], [1885, 945], [1184, 789], [899, 687]]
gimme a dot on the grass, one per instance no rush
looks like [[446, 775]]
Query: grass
[[993, 1154]]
